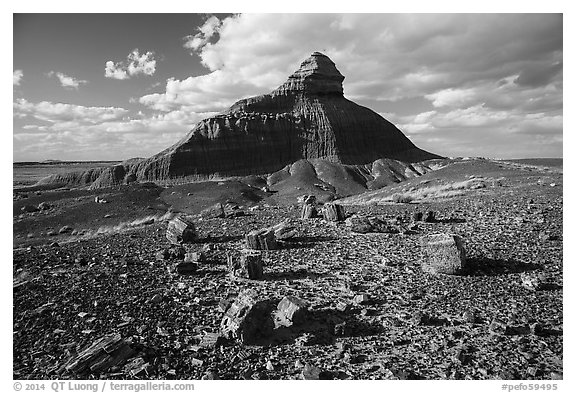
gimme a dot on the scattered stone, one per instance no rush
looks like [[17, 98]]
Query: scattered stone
[[537, 282], [195, 257], [210, 375], [519, 330], [54, 245], [307, 199], [102, 354], [469, 316], [422, 318], [136, 367], [44, 206], [497, 326], [360, 299], [65, 229], [211, 340], [156, 299], [269, 366], [29, 209], [359, 224], [247, 319], [181, 230], [333, 212], [284, 231], [214, 211], [308, 211], [340, 329], [290, 311], [232, 211], [311, 372], [249, 265], [223, 305], [342, 306], [186, 268], [261, 239], [171, 253], [430, 216], [443, 253]]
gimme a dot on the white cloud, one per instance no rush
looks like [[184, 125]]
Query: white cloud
[[205, 32], [115, 71], [384, 57], [17, 76], [96, 132], [135, 64], [452, 97], [68, 82], [60, 113]]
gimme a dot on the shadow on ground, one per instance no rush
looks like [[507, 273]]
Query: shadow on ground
[[482, 266]]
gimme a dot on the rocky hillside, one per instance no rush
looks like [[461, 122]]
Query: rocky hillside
[[307, 117]]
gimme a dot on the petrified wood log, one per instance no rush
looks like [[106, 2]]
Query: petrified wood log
[[249, 265], [333, 212], [261, 239], [181, 230], [443, 253]]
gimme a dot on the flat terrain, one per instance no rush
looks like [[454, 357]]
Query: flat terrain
[[103, 277]]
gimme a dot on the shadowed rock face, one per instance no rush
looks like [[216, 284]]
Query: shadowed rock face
[[307, 117]]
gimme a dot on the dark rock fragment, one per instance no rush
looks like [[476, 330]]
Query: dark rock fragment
[[101, 355]]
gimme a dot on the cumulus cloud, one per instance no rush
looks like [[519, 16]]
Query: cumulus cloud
[[452, 60], [67, 82], [205, 33], [17, 76], [135, 64]]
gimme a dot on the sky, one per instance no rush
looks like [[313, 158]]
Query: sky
[[110, 87]]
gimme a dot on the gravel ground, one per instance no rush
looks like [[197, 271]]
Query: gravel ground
[[413, 326]]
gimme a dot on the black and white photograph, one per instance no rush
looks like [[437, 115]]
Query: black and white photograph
[[287, 196]]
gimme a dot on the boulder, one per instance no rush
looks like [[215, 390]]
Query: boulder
[[248, 319], [443, 253], [181, 230]]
